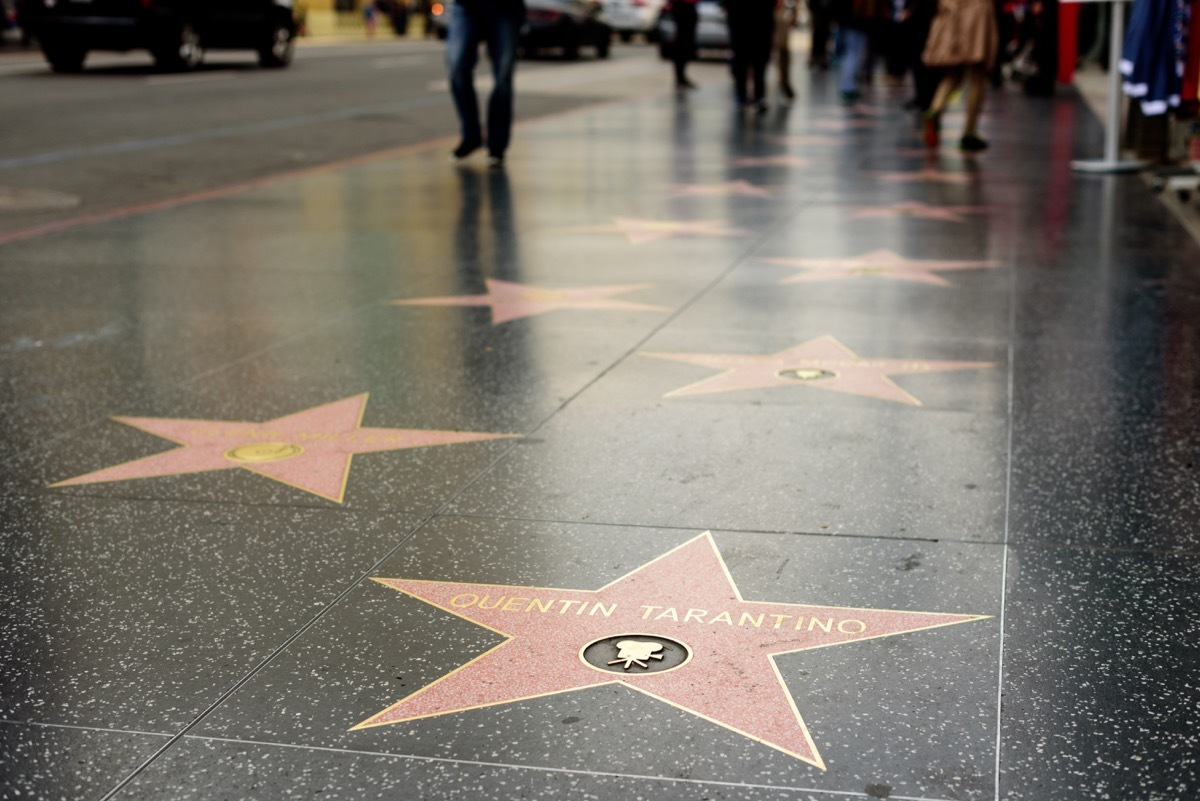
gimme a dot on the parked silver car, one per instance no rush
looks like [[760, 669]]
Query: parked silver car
[[631, 18]]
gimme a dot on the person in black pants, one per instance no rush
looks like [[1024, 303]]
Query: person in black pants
[[821, 19], [683, 12], [751, 36], [918, 19]]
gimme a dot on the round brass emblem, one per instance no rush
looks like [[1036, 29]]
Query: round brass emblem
[[635, 654], [256, 452], [806, 374]]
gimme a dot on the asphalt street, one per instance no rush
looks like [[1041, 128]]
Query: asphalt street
[[122, 135]]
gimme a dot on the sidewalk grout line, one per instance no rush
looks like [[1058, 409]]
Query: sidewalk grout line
[[76, 727], [568, 771], [1008, 481]]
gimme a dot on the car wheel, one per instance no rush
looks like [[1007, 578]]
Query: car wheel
[[626, 36], [64, 56], [604, 45], [278, 48], [181, 50], [570, 50]]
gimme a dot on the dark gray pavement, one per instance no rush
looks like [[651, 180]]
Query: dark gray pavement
[[393, 479], [122, 134]]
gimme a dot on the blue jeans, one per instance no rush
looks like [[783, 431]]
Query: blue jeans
[[855, 42], [499, 31]]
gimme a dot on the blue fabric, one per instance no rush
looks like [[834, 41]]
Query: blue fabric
[[855, 53], [1154, 53], [499, 29]]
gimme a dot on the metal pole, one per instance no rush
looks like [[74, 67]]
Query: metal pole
[[1112, 129], [1112, 134]]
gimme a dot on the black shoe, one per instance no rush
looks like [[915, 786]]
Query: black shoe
[[684, 84], [972, 143], [465, 149], [495, 161], [789, 94]]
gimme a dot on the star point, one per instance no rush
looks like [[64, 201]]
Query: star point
[[772, 161], [928, 175], [511, 301], [878, 264], [917, 209], [805, 139], [727, 189], [640, 231]]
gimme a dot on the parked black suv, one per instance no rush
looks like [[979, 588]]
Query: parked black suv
[[176, 32]]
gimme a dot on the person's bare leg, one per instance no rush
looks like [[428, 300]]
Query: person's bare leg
[[933, 117], [977, 78], [941, 98]]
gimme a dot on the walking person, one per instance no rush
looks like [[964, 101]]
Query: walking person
[[820, 17], [686, 18], [496, 24], [751, 28], [963, 40], [856, 20], [917, 20]]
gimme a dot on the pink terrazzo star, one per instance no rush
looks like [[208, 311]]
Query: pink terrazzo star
[[309, 450], [727, 189], [640, 231], [772, 161], [866, 110], [822, 363], [806, 139], [843, 124], [883, 264], [686, 595], [927, 175], [511, 301], [932, 155], [917, 209]]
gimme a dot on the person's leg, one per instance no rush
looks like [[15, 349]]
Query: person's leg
[[855, 43], [941, 98], [783, 52], [976, 92], [685, 18], [977, 81], [933, 116], [739, 62], [503, 33], [764, 37], [818, 18], [462, 51]]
